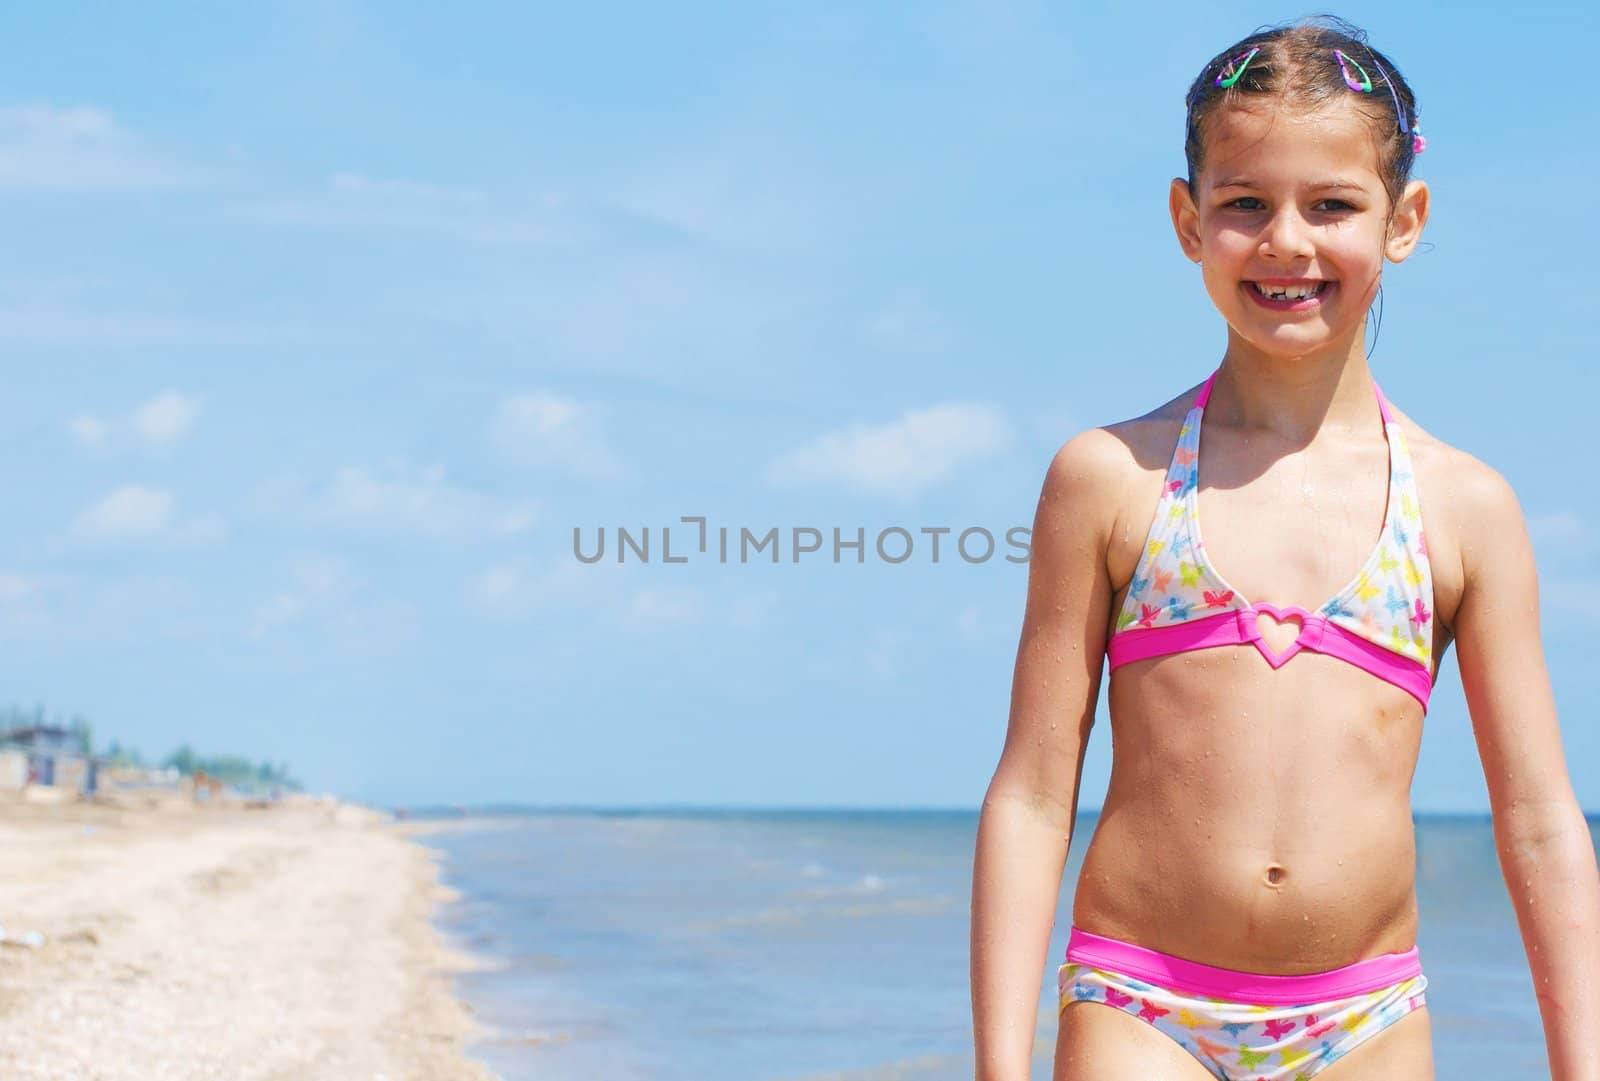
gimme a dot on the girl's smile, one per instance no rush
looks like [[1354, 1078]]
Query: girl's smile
[[1289, 294]]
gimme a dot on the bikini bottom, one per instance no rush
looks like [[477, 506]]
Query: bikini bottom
[[1245, 1026]]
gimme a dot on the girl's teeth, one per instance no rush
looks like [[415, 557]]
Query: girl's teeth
[[1292, 292]]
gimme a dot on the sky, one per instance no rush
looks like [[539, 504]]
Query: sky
[[324, 327]]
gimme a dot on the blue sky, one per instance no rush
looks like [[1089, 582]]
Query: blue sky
[[323, 328]]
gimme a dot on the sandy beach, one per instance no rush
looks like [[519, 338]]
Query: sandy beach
[[186, 942]]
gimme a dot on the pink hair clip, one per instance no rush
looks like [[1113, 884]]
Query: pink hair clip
[[1418, 143]]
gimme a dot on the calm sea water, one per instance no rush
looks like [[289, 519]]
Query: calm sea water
[[801, 946]]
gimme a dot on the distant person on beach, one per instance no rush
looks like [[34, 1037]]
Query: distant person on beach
[[1247, 905]]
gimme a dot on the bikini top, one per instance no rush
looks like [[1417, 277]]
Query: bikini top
[[1379, 622]]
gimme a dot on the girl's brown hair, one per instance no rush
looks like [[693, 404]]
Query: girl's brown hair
[[1297, 65]]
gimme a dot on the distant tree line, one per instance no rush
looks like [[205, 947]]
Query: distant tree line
[[233, 770]]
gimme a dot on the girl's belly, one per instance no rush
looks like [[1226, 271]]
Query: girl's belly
[[1256, 821]]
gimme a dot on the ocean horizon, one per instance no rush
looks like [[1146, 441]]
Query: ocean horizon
[[664, 943]]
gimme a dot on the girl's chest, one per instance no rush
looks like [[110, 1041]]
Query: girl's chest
[[1280, 539]]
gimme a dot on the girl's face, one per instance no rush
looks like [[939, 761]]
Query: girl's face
[[1290, 224]]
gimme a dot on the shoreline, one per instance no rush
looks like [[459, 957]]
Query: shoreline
[[150, 936]]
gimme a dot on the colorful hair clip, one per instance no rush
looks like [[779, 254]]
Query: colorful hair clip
[[1365, 85], [1418, 143], [1230, 74]]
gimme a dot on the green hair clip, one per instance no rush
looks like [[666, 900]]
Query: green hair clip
[[1365, 85], [1230, 74]]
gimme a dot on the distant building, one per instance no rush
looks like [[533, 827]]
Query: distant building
[[47, 739], [53, 755]]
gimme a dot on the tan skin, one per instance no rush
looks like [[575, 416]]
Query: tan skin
[[1259, 819]]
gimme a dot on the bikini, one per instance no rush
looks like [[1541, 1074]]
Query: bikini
[[1243, 1025]]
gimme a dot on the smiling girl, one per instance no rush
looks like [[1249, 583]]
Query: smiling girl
[[1247, 905]]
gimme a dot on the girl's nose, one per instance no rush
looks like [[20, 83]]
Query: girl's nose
[[1287, 235]]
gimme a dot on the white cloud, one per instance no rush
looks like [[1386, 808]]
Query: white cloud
[[315, 583], [901, 458], [158, 423], [134, 512], [400, 498], [77, 149], [546, 429], [166, 418]]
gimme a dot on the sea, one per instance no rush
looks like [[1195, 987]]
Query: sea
[[695, 945]]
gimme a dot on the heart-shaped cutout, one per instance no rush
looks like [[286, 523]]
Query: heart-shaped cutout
[[1286, 628], [1279, 634]]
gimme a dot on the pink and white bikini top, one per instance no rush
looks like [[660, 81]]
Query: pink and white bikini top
[[1380, 622]]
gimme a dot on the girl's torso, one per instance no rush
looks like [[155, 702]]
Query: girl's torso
[[1259, 818]]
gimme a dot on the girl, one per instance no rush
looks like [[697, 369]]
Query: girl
[[1246, 907]]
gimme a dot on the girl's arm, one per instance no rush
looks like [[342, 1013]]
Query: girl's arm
[[1545, 850], [1025, 827]]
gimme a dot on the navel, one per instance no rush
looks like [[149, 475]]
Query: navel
[[1275, 875]]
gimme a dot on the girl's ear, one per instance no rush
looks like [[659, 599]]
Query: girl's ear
[[1185, 218], [1405, 225]]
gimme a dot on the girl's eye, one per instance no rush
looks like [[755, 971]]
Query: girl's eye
[[1337, 204], [1244, 199]]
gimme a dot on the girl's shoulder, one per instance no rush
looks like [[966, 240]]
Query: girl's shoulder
[[1112, 473], [1118, 451], [1470, 515], [1460, 486]]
